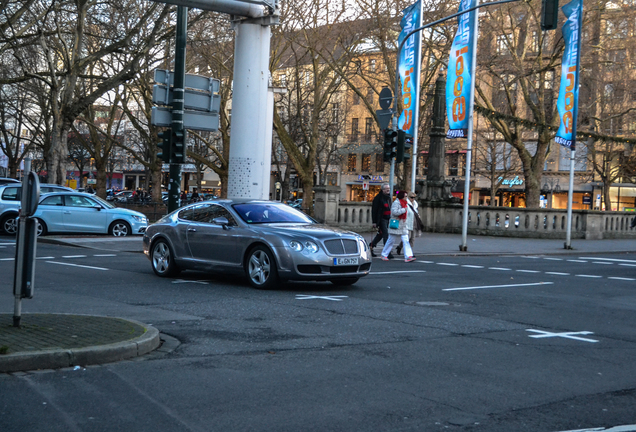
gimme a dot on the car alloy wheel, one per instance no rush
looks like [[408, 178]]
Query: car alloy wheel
[[261, 268], [120, 229], [10, 225], [162, 259], [41, 228]]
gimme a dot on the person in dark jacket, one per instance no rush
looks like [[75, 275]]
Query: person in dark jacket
[[380, 215]]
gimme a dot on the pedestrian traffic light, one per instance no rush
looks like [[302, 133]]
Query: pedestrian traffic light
[[165, 146], [549, 14], [178, 147], [390, 144]]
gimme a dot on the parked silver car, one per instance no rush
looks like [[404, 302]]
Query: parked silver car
[[266, 240], [10, 196]]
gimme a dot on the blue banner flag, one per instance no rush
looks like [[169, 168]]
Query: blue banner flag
[[568, 100], [409, 67], [458, 79]]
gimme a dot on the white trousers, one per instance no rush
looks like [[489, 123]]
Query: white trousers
[[393, 238]]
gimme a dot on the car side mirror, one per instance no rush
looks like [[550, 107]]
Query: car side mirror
[[97, 207], [221, 221]]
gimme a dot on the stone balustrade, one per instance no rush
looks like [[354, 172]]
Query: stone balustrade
[[498, 221]]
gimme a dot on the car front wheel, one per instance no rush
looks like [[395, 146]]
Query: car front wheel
[[162, 259], [260, 268], [120, 229]]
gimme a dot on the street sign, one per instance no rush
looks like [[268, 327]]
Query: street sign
[[386, 99], [365, 185], [197, 82], [194, 100], [195, 120], [384, 117]]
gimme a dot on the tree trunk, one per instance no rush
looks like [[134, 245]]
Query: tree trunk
[[58, 155], [155, 173], [100, 186]]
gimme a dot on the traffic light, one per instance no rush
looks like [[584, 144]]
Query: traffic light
[[178, 147], [390, 144], [404, 144], [165, 146], [549, 14]]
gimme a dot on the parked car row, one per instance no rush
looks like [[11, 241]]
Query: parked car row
[[62, 210]]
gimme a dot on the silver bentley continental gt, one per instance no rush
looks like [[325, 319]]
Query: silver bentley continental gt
[[268, 241]]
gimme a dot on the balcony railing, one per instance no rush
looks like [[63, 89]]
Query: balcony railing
[[372, 138]]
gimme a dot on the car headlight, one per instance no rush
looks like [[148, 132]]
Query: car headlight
[[140, 218], [311, 246], [363, 245], [297, 246]]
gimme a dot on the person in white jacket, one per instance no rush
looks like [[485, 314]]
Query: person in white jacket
[[410, 219], [399, 211]]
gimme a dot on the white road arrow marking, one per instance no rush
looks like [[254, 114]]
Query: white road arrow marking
[[313, 297], [567, 335]]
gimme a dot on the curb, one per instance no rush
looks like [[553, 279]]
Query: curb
[[55, 359]]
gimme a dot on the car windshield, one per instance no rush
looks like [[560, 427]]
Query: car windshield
[[103, 202], [261, 213]]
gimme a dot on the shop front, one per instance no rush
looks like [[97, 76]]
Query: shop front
[[364, 188]]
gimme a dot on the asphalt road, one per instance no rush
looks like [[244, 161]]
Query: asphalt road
[[513, 343]]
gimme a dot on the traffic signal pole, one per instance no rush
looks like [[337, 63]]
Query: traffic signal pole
[[174, 187]]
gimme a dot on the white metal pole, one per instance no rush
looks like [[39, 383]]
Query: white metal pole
[[250, 113], [416, 113], [568, 232], [469, 144]]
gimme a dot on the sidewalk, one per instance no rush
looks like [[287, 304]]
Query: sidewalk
[[50, 341]]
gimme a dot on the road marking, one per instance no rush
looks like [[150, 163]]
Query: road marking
[[472, 266], [497, 286], [558, 273], [394, 272], [554, 259], [589, 276], [626, 428], [77, 265], [531, 257], [602, 262], [45, 258], [581, 261], [609, 259], [426, 262], [621, 278], [448, 264], [528, 271], [499, 268], [190, 281], [7, 244], [105, 255], [73, 256], [567, 335], [628, 265], [7, 259], [313, 297]]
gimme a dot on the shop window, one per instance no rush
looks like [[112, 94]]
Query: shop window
[[351, 162]]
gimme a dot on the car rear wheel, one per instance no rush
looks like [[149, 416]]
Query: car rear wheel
[[120, 229], [345, 282], [10, 224], [41, 228], [162, 259], [260, 268]]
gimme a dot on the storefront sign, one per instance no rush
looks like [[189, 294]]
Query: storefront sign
[[514, 182], [370, 179]]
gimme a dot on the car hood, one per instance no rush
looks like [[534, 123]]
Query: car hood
[[124, 211], [316, 231]]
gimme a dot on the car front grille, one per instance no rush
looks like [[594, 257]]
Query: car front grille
[[341, 246]]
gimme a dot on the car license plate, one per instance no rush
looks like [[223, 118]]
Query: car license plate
[[345, 261]]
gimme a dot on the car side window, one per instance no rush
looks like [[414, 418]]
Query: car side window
[[53, 201], [185, 214], [208, 212], [223, 212], [78, 201], [12, 194]]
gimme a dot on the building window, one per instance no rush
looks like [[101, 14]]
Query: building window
[[366, 162], [335, 113], [372, 65], [368, 127], [379, 163], [354, 127], [351, 162], [370, 96], [502, 45], [331, 179], [356, 99]]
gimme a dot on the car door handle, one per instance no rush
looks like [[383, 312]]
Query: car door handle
[[67, 212], [192, 230]]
